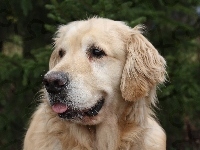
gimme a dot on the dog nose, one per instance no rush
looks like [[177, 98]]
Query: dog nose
[[55, 81]]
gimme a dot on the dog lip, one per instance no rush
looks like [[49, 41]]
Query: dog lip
[[72, 113], [95, 109]]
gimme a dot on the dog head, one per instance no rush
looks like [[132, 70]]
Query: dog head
[[96, 65]]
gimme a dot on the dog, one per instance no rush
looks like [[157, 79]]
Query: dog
[[100, 90]]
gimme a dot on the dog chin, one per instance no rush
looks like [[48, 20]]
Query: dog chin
[[88, 116]]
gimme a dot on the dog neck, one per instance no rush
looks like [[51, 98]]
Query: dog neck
[[111, 133]]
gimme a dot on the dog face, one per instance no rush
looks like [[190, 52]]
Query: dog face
[[98, 64]]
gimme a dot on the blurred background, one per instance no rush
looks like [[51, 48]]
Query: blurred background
[[26, 31]]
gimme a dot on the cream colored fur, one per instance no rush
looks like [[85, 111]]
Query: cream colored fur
[[128, 76]]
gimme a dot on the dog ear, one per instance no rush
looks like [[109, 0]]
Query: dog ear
[[144, 67], [53, 60], [58, 37]]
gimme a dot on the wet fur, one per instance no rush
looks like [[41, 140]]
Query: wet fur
[[127, 120]]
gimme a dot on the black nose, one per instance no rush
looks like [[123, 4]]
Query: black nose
[[55, 81]]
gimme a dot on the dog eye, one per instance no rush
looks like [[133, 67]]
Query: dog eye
[[61, 53], [96, 52]]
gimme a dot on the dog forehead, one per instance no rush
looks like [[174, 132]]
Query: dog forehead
[[98, 26], [102, 32], [102, 24]]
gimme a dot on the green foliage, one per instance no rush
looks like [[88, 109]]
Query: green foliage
[[26, 6], [172, 26], [20, 80]]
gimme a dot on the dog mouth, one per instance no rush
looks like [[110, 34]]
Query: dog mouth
[[67, 112]]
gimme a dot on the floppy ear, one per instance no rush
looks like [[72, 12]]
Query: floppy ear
[[59, 36], [53, 60], [144, 67]]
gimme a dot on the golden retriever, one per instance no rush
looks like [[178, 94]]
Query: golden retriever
[[99, 90]]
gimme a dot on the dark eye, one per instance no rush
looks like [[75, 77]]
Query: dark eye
[[61, 53], [97, 52]]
